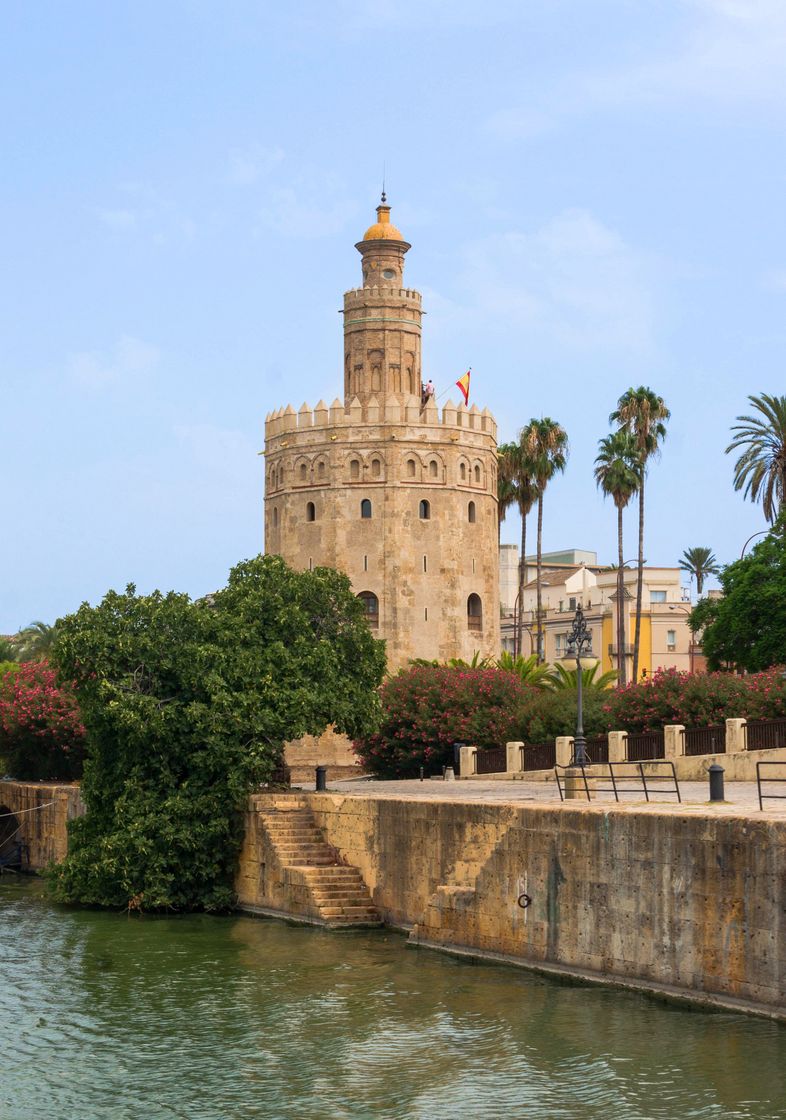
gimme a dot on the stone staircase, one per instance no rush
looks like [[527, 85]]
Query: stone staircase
[[321, 886]]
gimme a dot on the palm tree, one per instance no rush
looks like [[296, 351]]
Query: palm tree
[[700, 562], [517, 484], [506, 487], [617, 475], [643, 414], [760, 471], [35, 641], [527, 670], [565, 680], [545, 444]]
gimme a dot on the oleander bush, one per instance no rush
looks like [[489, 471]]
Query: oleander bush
[[42, 736], [428, 708]]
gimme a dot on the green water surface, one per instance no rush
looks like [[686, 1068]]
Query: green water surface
[[235, 1018]]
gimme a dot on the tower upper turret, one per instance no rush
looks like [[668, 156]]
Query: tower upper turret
[[382, 319]]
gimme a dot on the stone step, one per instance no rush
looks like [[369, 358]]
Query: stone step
[[337, 873], [337, 896], [358, 913]]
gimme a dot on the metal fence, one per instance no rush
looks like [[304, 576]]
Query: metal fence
[[704, 740], [598, 748], [491, 760], [777, 770], [764, 734], [626, 778], [539, 756], [646, 745]]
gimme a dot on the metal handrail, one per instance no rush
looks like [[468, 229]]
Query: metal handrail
[[618, 777], [760, 780]]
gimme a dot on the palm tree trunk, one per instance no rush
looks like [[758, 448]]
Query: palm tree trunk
[[519, 638], [639, 582], [699, 582], [622, 666], [541, 658]]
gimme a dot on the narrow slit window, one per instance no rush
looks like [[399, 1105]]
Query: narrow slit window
[[425, 563], [365, 563], [311, 511], [471, 513], [365, 509], [425, 510], [354, 470]]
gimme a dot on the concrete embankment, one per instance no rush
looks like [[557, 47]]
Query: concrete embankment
[[679, 901]]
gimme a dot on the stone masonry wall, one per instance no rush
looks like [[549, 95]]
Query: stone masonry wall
[[43, 810]]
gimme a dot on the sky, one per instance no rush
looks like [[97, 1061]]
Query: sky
[[594, 194]]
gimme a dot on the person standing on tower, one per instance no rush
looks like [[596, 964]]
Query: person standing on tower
[[427, 392]]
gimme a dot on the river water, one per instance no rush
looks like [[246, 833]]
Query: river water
[[105, 1016]]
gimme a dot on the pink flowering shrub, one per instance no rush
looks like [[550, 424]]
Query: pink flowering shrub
[[426, 709], [41, 731], [695, 700]]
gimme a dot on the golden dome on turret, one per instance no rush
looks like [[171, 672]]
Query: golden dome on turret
[[382, 229]]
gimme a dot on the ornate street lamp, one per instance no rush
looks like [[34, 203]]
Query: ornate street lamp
[[579, 649]]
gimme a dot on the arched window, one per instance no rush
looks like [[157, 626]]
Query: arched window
[[410, 468], [477, 474], [303, 472], [463, 472], [425, 510], [365, 509], [354, 469], [471, 513], [321, 469], [433, 468], [376, 468], [275, 517], [311, 511], [474, 613], [371, 604]]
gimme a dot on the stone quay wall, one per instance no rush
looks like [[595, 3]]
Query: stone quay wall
[[668, 900], [43, 810]]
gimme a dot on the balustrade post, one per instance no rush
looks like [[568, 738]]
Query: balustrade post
[[736, 739], [513, 758], [564, 750], [673, 741], [618, 746], [467, 763]]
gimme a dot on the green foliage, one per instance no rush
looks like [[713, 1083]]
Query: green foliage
[[8, 650], [746, 628], [186, 707], [564, 679], [426, 709], [528, 670], [41, 731], [35, 642], [699, 563], [760, 471], [546, 715], [7, 667]]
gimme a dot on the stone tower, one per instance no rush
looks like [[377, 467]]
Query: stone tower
[[398, 495]]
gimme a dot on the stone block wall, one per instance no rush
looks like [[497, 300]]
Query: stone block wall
[[43, 810]]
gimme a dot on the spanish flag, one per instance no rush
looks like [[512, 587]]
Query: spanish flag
[[463, 384]]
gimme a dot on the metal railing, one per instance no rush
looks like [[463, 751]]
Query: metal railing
[[491, 760], [760, 781], [704, 740], [538, 756], [765, 734], [645, 746], [627, 778]]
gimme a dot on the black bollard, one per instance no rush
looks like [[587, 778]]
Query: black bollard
[[321, 779], [421, 773], [716, 782]]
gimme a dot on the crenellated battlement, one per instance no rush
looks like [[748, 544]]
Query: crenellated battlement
[[383, 294], [391, 409]]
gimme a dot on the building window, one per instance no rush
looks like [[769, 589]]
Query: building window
[[371, 605], [376, 468], [425, 563], [657, 596], [477, 475], [365, 509], [365, 563], [275, 517], [471, 513], [303, 472], [425, 510], [321, 470], [671, 640], [463, 472], [410, 468], [473, 565], [572, 603], [425, 614], [311, 512], [433, 468], [474, 613], [354, 469]]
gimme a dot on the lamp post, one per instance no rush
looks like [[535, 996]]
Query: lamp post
[[579, 647]]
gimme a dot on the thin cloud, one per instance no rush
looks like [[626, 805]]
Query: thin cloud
[[130, 358], [247, 166]]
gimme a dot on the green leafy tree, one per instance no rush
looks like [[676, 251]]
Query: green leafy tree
[[545, 444], [699, 563], [746, 627], [8, 650], [760, 471], [617, 475], [35, 642], [643, 415], [517, 485], [186, 707]]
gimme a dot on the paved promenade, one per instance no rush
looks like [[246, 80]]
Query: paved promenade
[[741, 797]]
